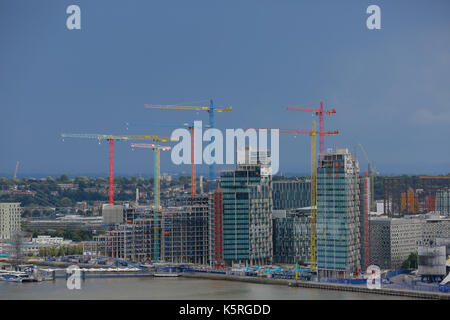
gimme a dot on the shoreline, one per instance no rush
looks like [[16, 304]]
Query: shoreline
[[323, 286]]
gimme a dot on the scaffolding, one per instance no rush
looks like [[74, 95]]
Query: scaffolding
[[132, 240], [185, 231]]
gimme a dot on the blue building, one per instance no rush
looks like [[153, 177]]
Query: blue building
[[291, 194], [337, 221], [247, 214]]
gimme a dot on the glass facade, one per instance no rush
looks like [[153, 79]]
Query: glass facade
[[338, 226], [247, 221], [290, 194], [291, 237]]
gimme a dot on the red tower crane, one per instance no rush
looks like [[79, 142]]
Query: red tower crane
[[320, 112], [111, 138]]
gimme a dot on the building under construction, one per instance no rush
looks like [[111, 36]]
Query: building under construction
[[131, 240], [416, 195], [185, 230]]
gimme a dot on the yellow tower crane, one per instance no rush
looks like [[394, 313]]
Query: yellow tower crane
[[313, 245], [156, 189]]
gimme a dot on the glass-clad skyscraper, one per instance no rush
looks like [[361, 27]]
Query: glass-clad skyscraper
[[247, 214], [338, 226]]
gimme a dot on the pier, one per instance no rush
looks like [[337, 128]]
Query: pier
[[324, 286]]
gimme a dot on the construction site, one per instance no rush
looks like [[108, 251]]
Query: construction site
[[202, 228], [246, 219]]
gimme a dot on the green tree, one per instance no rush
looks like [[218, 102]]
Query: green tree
[[64, 178], [411, 262], [66, 202]]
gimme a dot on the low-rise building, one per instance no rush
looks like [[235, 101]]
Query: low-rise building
[[392, 240]]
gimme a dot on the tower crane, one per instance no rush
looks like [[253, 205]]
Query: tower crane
[[156, 167], [111, 138], [211, 109], [320, 112], [15, 171], [156, 188], [191, 126], [313, 243]]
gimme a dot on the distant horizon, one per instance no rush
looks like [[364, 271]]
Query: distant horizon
[[178, 174]]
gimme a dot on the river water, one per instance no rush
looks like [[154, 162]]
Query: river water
[[170, 289]]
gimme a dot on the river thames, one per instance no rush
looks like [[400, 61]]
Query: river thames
[[171, 289]]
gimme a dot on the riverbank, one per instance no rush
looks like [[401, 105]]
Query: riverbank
[[323, 286]]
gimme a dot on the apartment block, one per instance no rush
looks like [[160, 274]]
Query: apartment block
[[185, 226], [392, 240], [9, 219], [131, 241]]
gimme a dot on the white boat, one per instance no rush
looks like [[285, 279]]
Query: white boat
[[11, 277], [166, 275]]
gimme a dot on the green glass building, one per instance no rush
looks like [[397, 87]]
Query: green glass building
[[337, 221], [247, 215]]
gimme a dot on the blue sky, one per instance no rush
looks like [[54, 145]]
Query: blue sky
[[390, 87]]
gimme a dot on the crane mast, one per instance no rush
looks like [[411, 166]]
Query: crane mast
[[15, 171], [313, 248], [156, 189]]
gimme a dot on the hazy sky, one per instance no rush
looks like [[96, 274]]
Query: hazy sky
[[390, 87]]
